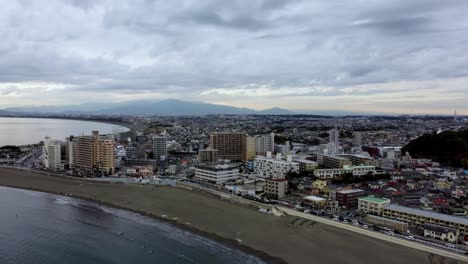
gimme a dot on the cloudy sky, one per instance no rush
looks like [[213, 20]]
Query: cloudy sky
[[408, 56]]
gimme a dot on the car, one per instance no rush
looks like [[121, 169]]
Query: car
[[410, 237], [450, 245], [365, 226]]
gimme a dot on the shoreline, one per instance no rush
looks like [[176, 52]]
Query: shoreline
[[270, 238], [129, 127], [211, 236]]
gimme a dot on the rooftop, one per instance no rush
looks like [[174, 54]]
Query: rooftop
[[438, 216], [374, 199], [314, 198], [350, 191]]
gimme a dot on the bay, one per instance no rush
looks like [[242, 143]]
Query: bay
[[23, 131]]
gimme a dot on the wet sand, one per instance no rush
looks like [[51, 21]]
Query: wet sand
[[276, 239]]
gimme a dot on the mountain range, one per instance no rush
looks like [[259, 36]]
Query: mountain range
[[147, 108]]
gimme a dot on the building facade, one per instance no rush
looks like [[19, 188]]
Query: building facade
[[276, 187], [349, 198], [333, 161], [160, 148], [95, 154], [208, 155], [53, 154], [229, 145], [419, 217], [216, 174], [264, 144], [372, 205], [276, 168]]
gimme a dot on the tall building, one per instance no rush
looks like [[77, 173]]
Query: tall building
[[249, 148], [70, 149], [160, 148], [53, 154], [94, 153], [230, 145], [357, 139], [334, 134], [264, 143]]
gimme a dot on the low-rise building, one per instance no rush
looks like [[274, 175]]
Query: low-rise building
[[349, 198], [360, 160], [217, 174], [328, 173], [306, 165], [315, 201], [276, 187], [418, 217], [372, 205], [443, 233], [333, 161], [356, 171]]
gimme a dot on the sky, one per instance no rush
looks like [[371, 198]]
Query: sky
[[395, 56]]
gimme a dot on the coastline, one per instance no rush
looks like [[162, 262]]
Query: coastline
[[209, 226], [229, 242]]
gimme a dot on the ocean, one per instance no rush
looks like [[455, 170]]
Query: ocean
[[45, 228], [23, 131]]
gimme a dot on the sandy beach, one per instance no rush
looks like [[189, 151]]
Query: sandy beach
[[276, 239]]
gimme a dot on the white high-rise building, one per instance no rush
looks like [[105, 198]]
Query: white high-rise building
[[160, 147], [264, 143], [53, 154], [357, 139], [334, 134]]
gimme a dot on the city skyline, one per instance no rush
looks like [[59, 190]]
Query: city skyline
[[395, 57]]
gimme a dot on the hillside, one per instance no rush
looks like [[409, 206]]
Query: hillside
[[448, 147]]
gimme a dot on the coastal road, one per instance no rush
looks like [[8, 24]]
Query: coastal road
[[377, 235]]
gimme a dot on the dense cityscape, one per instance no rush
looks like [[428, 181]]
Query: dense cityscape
[[348, 169]]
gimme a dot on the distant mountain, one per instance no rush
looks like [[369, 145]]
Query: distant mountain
[[275, 111], [448, 147], [148, 108]]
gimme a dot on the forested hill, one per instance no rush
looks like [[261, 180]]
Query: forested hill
[[448, 147]]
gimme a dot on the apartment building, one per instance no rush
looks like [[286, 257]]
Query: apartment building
[[360, 160], [229, 144], [328, 173], [160, 147], [95, 153], [249, 148], [356, 171], [53, 154], [208, 155], [276, 187], [275, 168], [264, 144], [333, 161]]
